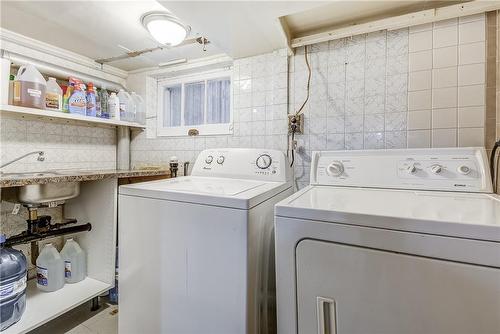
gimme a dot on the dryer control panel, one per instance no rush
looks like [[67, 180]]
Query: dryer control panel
[[243, 163], [449, 169]]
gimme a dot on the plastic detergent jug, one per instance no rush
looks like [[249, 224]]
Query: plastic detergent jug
[[124, 98], [75, 264], [91, 110], [114, 106], [49, 269], [53, 95], [140, 113], [12, 285], [97, 103], [103, 94], [77, 103], [29, 88]]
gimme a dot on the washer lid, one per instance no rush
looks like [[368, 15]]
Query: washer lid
[[465, 215], [236, 193]]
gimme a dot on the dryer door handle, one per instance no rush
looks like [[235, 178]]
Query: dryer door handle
[[327, 315]]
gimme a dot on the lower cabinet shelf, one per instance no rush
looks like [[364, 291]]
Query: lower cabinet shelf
[[42, 307]]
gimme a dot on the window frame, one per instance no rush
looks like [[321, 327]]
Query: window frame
[[204, 129]]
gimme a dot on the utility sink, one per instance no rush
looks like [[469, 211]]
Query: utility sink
[[49, 192]]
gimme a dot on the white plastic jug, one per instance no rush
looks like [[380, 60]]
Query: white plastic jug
[[29, 88], [49, 269], [75, 265], [114, 106], [125, 105], [140, 113], [53, 95]]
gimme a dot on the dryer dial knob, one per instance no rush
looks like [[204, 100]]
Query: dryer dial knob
[[220, 160], [412, 169], [336, 168], [464, 170], [436, 169], [209, 159], [263, 161]]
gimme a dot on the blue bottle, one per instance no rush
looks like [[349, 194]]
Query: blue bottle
[[12, 285], [91, 101], [77, 103]]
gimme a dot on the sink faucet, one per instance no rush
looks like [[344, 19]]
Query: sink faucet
[[39, 158]]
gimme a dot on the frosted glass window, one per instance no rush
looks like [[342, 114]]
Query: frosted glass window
[[218, 100], [194, 103], [172, 101]]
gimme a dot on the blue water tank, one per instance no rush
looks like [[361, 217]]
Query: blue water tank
[[12, 285]]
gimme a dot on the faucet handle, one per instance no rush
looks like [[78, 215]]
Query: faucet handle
[[41, 156]]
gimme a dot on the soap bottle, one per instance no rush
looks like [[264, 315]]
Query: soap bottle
[[53, 95], [104, 102], [77, 103], [125, 104], [49, 269], [114, 106], [75, 266], [91, 110], [69, 91], [98, 112]]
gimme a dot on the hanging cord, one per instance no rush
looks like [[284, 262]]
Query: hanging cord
[[293, 120], [493, 166]]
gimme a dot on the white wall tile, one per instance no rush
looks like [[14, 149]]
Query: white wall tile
[[420, 41], [471, 53], [468, 137], [419, 120], [420, 61], [472, 32], [445, 23], [419, 138], [444, 137], [419, 80], [419, 100], [444, 118], [421, 27], [444, 97], [471, 96], [444, 77], [473, 74], [471, 18], [443, 37], [445, 57], [471, 116]]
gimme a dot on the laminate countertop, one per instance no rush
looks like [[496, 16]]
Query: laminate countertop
[[23, 179]]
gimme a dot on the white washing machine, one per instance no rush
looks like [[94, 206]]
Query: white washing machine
[[391, 242], [196, 253]]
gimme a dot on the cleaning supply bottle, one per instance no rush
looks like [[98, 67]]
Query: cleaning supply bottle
[[91, 110], [97, 103], [104, 102], [75, 265], [77, 103], [49, 269], [13, 268], [114, 106], [69, 91], [124, 98], [29, 88], [140, 113], [53, 95]]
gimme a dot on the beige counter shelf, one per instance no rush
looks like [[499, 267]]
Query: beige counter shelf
[[24, 112]]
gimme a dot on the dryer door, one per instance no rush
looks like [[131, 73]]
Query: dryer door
[[343, 289]]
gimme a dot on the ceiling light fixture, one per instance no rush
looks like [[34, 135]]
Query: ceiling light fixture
[[165, 28]]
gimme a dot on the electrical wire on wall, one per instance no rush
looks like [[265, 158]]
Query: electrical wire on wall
[[293, 121], [494, 165]]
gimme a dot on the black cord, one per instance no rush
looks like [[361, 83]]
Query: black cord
[[492, 159], [293, 148]]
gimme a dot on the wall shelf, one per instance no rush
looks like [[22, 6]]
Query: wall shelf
[[57, 115], [44, 306]]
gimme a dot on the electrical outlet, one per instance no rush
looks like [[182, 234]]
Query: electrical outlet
[[299, 122]]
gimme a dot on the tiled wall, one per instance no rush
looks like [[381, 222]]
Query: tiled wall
[[66, 146], [417, 87], [446, 86], [259, 113]]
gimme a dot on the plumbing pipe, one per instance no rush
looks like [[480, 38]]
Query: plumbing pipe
[[25, 238], [123, 148]]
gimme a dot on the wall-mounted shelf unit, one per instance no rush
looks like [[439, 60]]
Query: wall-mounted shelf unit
[[57, 115]]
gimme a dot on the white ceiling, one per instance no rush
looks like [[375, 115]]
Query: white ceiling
[[94, 29]]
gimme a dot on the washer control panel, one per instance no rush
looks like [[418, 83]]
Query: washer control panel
[[257, 164], [450, 169]]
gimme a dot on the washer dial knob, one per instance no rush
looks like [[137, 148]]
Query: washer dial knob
[[336, 168], [264, 161], [412, 169], [220, 160], [436, 169], [209, 159], [464, 170]]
